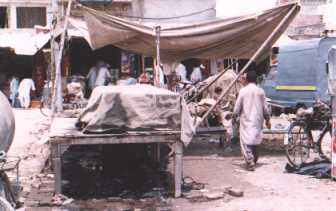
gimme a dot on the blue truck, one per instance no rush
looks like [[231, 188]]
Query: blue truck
[[300, 76]]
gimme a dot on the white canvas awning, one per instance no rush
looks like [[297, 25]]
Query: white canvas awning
[[25, 43], [237, 37]]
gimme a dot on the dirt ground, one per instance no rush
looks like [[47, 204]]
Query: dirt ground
[[268, 188]]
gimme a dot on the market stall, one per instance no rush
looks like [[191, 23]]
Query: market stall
[[144, 114]]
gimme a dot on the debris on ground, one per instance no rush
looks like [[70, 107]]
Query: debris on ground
[[235, 192], [319, 169], [60, 199], [197, 192]]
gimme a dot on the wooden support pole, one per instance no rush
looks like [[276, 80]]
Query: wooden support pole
[[52, 55], [57, 94], [255, 55], [158, 62]]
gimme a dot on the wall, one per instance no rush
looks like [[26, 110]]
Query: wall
[[232, 8], [310, 22], [12, 4], [173, 8], [117, 7]]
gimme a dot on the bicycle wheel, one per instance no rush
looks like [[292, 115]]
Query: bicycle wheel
[[5, 205], [325, 144], [297, 144], [45, 111], [45, 107]]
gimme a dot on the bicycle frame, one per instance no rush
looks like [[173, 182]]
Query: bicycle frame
[[5, 185], [326, 127]]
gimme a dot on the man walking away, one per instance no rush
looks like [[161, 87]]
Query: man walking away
[[181, 71], [26, 85], [103, 75], [13, 88], [196, 74], [252, 110], [91, 79]]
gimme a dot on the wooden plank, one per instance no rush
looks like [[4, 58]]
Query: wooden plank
[[78, 134], [65, 128], [115, 140], [280, 131], [210, 130]]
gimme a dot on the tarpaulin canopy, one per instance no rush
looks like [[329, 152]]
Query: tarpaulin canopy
[[26, 42], [237, 37]]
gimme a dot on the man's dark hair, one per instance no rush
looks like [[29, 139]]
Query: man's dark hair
[[251, 77]]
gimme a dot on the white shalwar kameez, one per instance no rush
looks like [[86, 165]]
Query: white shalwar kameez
[[26, 85], [252, 109], [196, 75]]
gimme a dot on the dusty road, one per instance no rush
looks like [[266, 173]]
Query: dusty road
[[29, 144], [266, 189]]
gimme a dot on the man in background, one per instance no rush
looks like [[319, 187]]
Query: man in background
[[91, 79], [181, 71], [196, 75], [103, 74], [252, 110], [13, 89], [26, 85]]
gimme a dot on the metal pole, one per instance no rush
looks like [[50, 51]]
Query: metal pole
[[158, 62], [333, 136], [52, 55], [58, 101], [255, 55], [331, 70]]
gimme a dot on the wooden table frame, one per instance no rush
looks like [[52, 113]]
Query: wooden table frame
[[60, 142]]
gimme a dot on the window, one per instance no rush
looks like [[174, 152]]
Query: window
[[3, 17], [28, 17]]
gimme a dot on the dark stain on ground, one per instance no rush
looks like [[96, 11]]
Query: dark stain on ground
[[123, 174]]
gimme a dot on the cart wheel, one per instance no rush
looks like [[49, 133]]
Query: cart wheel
[[4, 205]]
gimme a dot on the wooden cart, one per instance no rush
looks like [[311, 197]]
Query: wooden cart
[[63, 134]]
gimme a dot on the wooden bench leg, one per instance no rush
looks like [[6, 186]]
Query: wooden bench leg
[[58, 175], [158, 152], [178, 168], [57, 165]]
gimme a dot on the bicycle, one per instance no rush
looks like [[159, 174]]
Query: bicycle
[[299, 140], [45, 107], [8, 199]]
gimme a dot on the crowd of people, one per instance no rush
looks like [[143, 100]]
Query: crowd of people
[[101, 74]]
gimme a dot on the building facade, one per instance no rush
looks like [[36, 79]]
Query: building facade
[[310, 22], [23, 15], [175, 10]]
